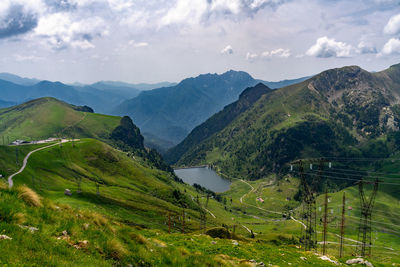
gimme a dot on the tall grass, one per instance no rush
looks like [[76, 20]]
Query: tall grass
[[29, 196]]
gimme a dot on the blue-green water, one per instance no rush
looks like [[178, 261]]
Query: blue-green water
[[204, 177]]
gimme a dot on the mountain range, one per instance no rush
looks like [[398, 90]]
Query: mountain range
[[165, 115], [168, 114], [105, 199], [101, 96], [339, 112]]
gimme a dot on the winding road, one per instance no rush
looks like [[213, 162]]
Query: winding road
[[270, 211], [25, 162], [252, 188]]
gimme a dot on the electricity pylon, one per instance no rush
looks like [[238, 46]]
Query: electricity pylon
[[364, 230]]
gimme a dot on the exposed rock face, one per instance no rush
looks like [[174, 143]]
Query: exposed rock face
[[128, 134]]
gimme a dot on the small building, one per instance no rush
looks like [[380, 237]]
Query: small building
[[350, 208], [19, 142], [260, 199]]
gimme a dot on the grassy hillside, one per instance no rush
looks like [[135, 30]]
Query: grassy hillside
[[48, 117], [127, 222], [124, 182]]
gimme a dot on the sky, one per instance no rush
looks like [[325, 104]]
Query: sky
[[169, 40]]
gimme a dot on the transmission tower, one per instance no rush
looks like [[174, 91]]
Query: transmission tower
[[169, 223], [203, 216], [325, 221], [364, 230], [342, 225], [309, 239], [183, 220]]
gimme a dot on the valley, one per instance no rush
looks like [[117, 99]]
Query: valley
[[94, 193], [240, 133]]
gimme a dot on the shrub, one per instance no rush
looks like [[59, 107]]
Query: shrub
[[219, 232], [99, 219], [138, 238], [116, 250], [3, 185]]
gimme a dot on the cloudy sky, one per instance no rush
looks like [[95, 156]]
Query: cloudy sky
[[168, 40]]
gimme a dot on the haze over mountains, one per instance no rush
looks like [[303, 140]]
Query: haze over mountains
[[101, 96], [166, 112], [167, 115]]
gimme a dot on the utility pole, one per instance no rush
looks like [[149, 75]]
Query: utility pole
[[16, 155], [325, 221], [364, 230], [169, 223], [203, 217], [183, 221], [79, 185], [342, 226], [98, 189]]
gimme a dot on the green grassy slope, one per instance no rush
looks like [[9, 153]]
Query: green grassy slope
[[128, 186], [48, 117], [126, 223]]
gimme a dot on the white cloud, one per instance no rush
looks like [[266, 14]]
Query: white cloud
[[251, 56], [185, 11], [120, 5], [138, 44], [326, 47], [393, 25], [366, 48], [280, 52], [28, 58], [255, 4], [37, 6], [197, 11], [228, 50], [62, 31], [391, 47], [82, 44], [233, 6]]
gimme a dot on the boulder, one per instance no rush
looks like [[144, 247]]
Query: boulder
[[4, 237], [359, 261]]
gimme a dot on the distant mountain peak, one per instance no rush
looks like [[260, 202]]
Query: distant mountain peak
[[17, 79]]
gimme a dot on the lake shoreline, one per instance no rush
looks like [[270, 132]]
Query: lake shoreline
[[204, 176]]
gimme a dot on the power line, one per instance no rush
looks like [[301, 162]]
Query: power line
[[381, 173], [360, 175], [349, 179]]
